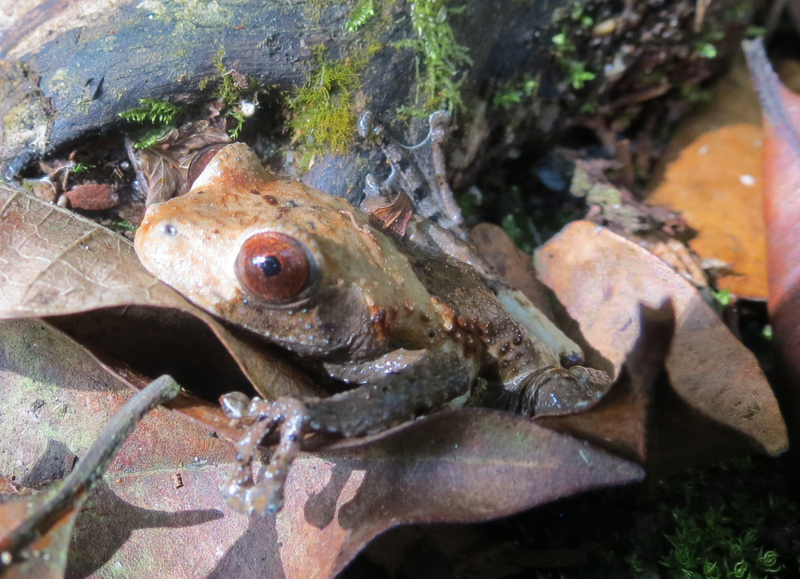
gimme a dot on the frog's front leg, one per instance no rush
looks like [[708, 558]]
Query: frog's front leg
[[264, 417], [556, 390], [402, 385]]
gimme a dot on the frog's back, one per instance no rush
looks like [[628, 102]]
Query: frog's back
[[474, 315]]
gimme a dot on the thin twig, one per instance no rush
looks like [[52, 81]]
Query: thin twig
[[90, 468]]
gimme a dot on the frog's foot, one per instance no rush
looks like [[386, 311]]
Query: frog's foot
[[242, 493], [554, 390]]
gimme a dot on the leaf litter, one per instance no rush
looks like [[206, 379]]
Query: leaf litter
[[340, 497]]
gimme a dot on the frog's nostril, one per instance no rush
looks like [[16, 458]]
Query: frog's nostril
[[170, 230]]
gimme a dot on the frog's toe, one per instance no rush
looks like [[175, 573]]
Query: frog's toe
[[263, 497]]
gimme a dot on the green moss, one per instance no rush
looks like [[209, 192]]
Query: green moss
[[566, 56], [364, 10], [227, 91], [122, 225], [441, 58], [578, 15], [232, 89], [516, 93], [324, 118], [157, 115], [706, 544], [725, 521], [578, 75], [82, 168], [153, 111], [706, 50], [469, 203]]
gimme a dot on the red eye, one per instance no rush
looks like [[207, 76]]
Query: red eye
[[200, 160], [273, 266]]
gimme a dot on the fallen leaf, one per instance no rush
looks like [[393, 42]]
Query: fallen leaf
[[53, 261], [48, 554], [162, 169], [456, 466], [55, 401], [601, 278], [715, 181], [36, 543], [642, 417]]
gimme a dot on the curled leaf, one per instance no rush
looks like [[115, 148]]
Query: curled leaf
[[601, 278]]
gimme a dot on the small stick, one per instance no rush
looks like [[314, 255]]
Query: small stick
[[89, 469]]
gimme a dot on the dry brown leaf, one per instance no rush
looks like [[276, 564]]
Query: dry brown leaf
[[644, 419], [714, 178], [34, 538], [48, 558], [456, 466], [162, 169], [601, 278], [56, 401], [717, 184], [55, 262]]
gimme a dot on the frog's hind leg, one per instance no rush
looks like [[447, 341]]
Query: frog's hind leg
[[555, 390], [399, 387]]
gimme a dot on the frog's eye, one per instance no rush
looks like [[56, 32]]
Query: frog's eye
[[200, 160], [273, 266]]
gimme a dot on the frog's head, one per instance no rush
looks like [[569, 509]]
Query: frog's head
[[299, 267]]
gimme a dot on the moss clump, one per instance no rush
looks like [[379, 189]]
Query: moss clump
[[364, 10], [324, 118], [157, 114], [516, 93], [152, 111], [565, 53], [231, 90], [707, 545], [443, 58]]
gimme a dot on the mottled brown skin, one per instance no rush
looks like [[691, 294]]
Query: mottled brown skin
[[409, 325]]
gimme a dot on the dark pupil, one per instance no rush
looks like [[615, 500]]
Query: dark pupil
[[268, 264]]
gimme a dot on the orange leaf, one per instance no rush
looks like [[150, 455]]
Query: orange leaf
[[716, 183]]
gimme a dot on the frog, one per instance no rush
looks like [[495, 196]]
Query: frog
[[397, 317]]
